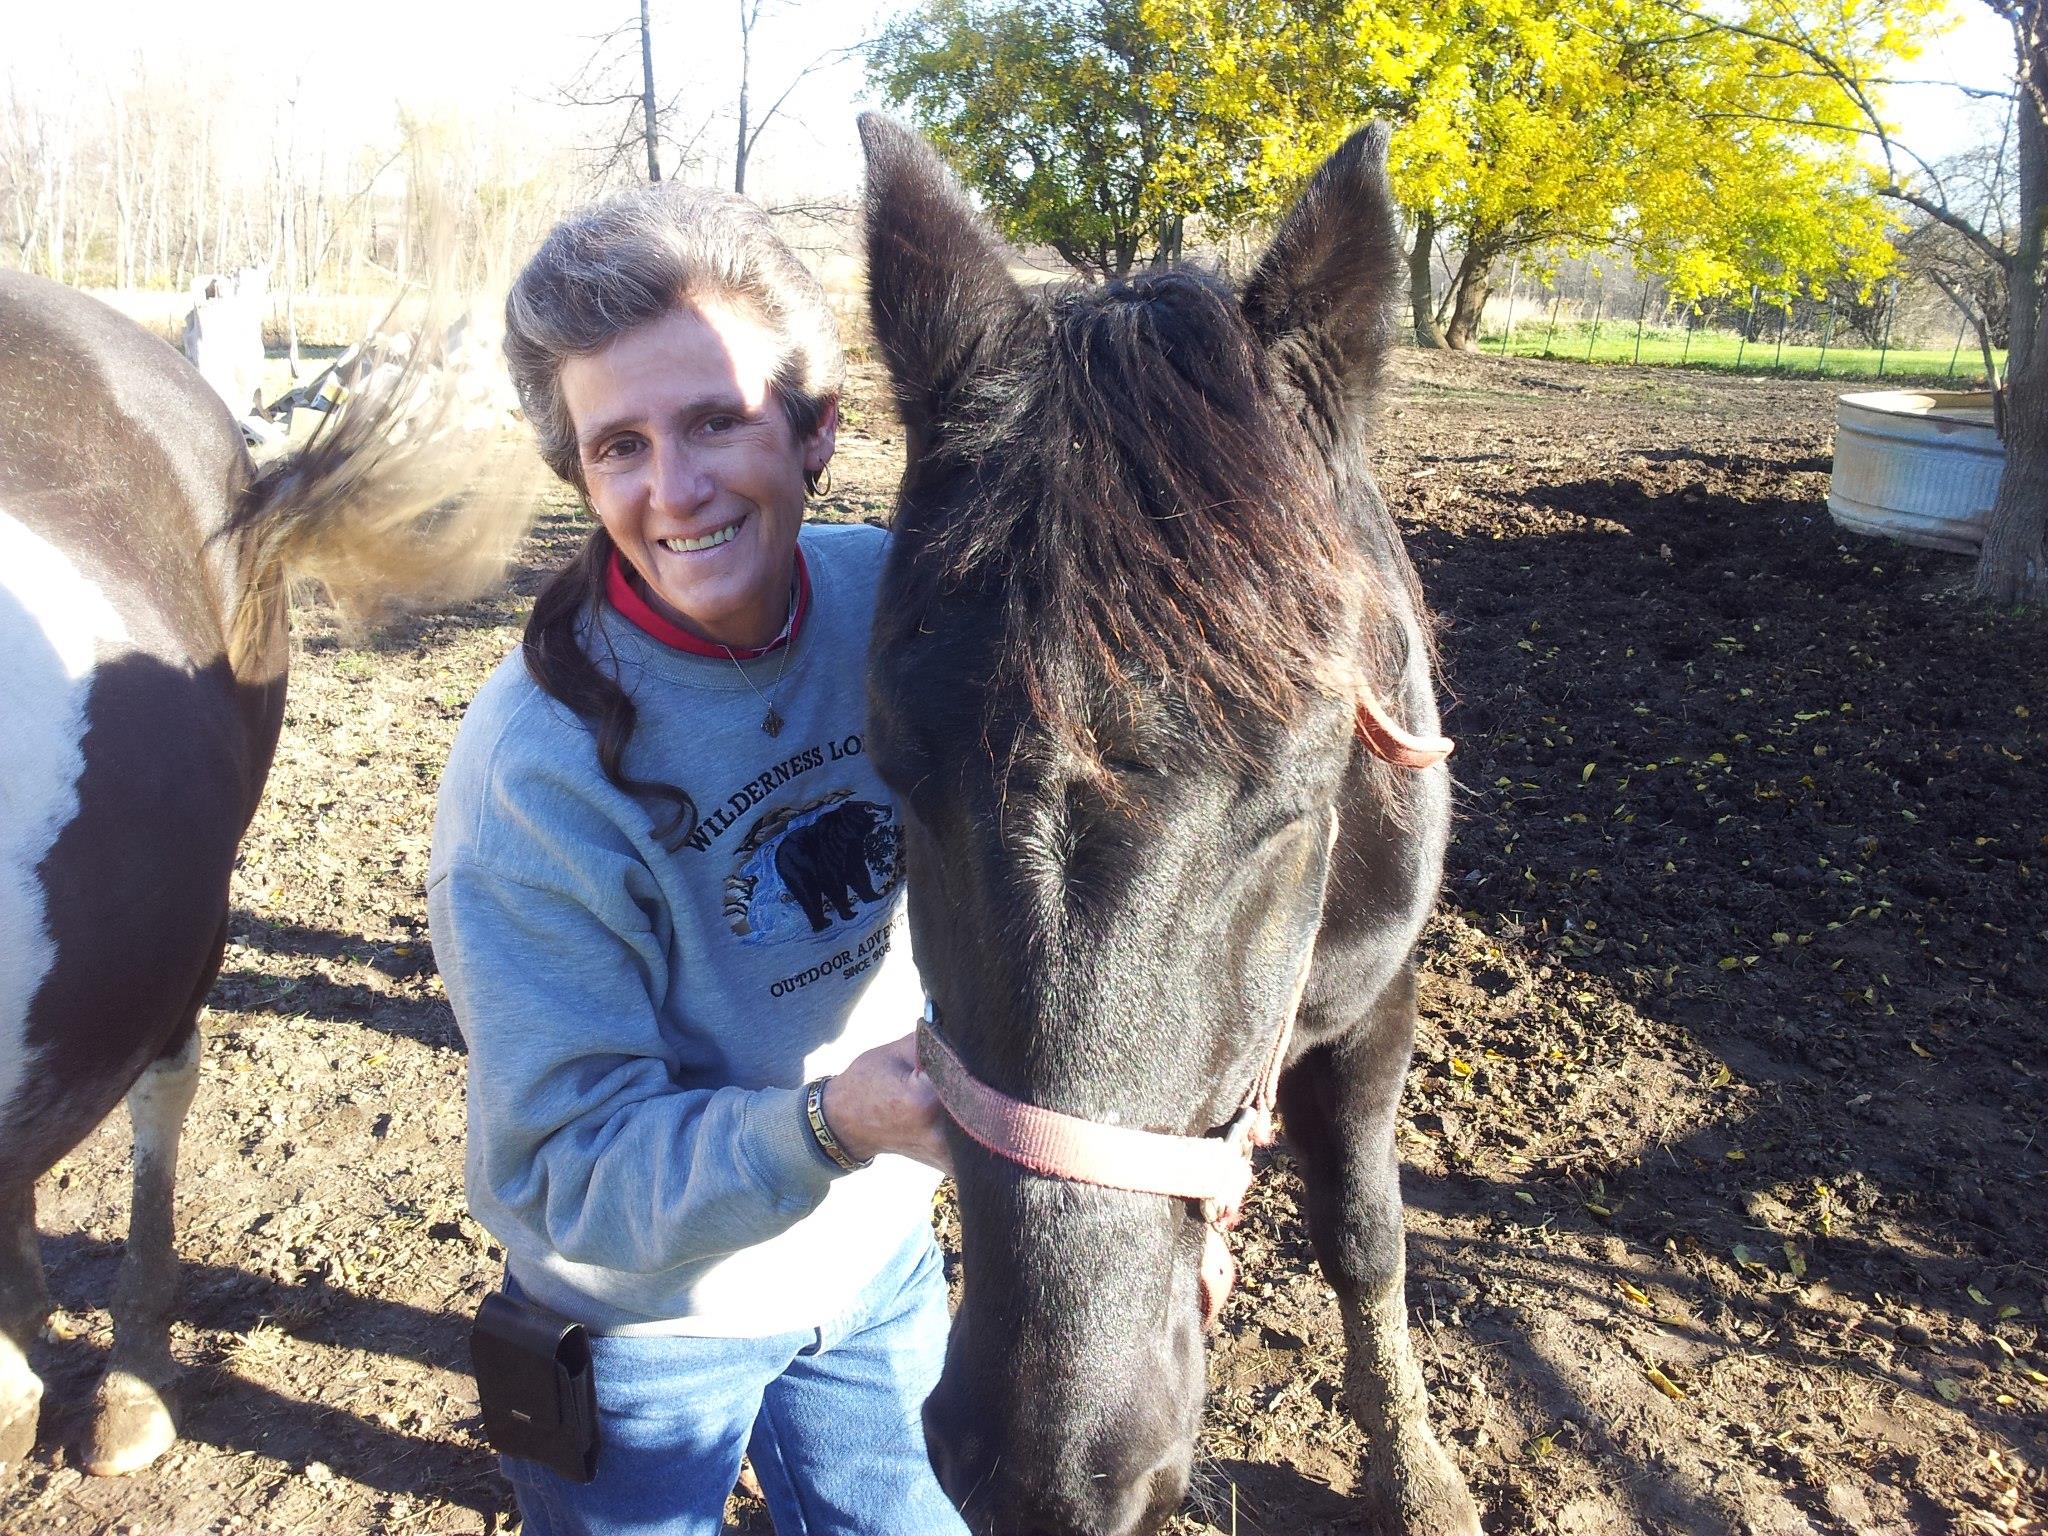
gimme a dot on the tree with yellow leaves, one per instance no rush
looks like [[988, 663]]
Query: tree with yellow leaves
[[1841, 51], [1548, 124], [1098, 126]]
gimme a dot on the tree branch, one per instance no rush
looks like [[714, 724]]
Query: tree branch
[[2001, 259]]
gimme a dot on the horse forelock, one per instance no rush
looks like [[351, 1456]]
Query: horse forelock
[[1145, 512]]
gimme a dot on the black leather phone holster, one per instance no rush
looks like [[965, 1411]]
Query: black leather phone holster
[[534, 1384]]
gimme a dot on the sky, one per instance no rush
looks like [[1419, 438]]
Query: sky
[[1937, 121], [351, 65]]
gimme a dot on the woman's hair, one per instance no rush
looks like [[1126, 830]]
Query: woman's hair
[[601, 272]]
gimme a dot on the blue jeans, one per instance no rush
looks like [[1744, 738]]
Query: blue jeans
[[830, 1416]]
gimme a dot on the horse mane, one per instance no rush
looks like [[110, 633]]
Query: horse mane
[[1148, 508]]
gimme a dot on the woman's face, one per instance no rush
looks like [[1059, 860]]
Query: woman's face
[[692, 467]]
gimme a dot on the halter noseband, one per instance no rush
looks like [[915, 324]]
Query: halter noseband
[[1214, 1171]]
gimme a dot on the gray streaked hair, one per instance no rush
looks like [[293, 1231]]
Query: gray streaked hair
[[633, 257]]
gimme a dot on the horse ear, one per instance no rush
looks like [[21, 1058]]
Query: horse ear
[[1320, 299], [939, 284]]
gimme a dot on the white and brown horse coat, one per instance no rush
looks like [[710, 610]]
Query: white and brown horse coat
[[131, 759], [133, 756], [142, 677]]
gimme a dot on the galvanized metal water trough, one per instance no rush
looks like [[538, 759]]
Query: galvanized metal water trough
[[1920, 466]]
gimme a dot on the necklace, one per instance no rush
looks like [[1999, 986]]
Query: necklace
[[771, 722]]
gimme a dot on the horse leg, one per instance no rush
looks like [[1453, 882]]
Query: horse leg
[[1340, 1104], [132, 1423], [24, 1303]]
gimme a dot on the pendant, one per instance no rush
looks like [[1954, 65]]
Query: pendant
[[772, 722]]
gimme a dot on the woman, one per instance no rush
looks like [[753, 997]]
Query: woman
[[664, 897]]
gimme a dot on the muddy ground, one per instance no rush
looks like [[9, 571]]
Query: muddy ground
[[1724, 1146]]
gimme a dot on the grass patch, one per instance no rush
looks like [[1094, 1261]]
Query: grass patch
[[1721, 352]]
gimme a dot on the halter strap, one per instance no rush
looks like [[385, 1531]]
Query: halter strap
[[1059, 1146], [1385, 739]]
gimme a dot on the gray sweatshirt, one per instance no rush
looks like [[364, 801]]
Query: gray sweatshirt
[[640, 1022]]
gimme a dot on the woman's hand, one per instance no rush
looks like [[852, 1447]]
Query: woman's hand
[[883, 1102]]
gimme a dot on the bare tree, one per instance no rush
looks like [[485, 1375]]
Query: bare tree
[[750, 127], [648, 126]]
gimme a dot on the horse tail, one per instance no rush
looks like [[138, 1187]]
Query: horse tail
[[406, 497]]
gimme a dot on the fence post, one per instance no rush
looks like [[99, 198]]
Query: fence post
[[1642, 314], [1557, 298], [1599, 307], [1890, 313], [1507, 337]]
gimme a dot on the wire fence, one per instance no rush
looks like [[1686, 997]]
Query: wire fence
[[1635, 321]]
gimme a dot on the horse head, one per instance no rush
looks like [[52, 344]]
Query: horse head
[[1139, 579]]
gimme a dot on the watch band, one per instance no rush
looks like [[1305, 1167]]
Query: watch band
[[814, 1111]]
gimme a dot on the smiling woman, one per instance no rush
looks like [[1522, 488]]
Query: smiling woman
[[695, 1117]]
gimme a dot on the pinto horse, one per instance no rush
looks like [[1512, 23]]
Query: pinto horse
[[143, 569], [1151, 679]]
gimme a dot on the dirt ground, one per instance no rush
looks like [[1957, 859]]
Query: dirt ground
[[1724, 1150]]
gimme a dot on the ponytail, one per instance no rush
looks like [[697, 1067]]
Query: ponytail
[[570, 602]]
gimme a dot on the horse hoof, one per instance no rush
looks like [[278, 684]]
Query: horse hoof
[[1422, 1494], [18, 1414], [131, 1427]]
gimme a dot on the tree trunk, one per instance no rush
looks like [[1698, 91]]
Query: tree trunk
[[1172, 233], [2010, 567], [1469, 293], [1421, 284], [648, 123], [124, 202], [739, 159]]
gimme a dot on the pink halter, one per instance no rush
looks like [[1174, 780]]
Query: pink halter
[[1213, 1171]]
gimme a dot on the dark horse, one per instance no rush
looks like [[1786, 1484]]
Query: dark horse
[[1141, 587], [143, 563]]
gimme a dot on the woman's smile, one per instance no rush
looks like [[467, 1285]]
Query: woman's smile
[[709, 541]]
